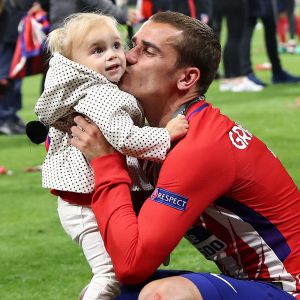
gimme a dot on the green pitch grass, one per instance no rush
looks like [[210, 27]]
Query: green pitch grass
[[37, 259]]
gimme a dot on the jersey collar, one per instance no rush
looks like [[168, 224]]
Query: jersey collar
[[184, 107]]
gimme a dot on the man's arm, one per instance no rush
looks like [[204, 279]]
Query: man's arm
[[139, 244]]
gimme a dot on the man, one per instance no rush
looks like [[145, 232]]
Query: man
[[215, 186]]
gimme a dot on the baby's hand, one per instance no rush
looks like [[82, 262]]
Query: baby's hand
[[177, 127]]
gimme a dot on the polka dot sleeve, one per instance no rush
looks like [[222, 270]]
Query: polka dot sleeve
[[121, 121]]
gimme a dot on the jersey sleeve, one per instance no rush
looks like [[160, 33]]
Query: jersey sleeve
[[120, 119], [138, 245]]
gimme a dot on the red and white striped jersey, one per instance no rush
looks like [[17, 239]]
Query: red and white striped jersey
[[223, 189]]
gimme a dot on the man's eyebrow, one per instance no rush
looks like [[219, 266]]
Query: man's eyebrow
[[149, 44], [146, 43]]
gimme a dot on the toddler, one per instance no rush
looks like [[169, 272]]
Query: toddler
[[87, 62]]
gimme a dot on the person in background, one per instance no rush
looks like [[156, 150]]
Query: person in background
[[287, 13], [59, 10], [265, 10], [214, 187], [87, 63], [11, 95], [199, 9], [235, 12]]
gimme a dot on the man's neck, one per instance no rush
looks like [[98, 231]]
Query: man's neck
[[160, 116]]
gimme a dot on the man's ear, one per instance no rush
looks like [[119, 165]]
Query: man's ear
[[188, 77]]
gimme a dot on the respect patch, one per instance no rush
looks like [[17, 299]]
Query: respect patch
[[170, 199]]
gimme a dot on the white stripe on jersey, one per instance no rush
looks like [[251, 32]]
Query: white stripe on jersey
[[236, 226]]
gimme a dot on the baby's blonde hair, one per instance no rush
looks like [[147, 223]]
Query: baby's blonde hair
[[75, 26]]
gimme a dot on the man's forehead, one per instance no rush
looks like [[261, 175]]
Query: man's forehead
[[158, 32]]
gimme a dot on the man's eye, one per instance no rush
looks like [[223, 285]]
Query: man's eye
[[147, 51]]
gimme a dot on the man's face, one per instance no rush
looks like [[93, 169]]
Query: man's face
[[151, 63], [101, 51]]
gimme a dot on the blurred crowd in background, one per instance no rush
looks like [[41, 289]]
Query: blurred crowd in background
[[24, 25]]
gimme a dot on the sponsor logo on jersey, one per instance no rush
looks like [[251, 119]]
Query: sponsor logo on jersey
[[170, 199], [208, 244], [240, 137]]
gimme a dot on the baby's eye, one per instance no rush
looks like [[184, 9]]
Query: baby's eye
[[117, 45], [98, 50]]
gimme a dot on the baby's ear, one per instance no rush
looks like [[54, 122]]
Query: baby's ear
[[188, 78]]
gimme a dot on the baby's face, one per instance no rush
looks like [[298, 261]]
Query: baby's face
[[101, 50]]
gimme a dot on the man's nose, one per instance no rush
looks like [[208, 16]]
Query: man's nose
[[132, 56]]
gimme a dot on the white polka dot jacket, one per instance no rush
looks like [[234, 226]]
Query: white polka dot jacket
[[72, 88]]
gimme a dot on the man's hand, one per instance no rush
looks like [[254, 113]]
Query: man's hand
[[88, 138]]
